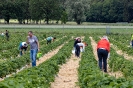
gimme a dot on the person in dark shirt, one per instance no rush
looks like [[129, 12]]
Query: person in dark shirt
[[7, 35]]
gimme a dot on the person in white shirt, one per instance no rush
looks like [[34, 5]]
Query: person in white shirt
[[23, 46], [78, 48]]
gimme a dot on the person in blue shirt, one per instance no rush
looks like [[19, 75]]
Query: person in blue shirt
[[23, 46], [49, 39]]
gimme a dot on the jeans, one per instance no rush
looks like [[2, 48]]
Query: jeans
[[77, 50], [33, 54], [102, 56]]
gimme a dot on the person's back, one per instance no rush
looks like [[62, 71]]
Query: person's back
[[22, 46], [104, 44], [49, 38], [77, 41]]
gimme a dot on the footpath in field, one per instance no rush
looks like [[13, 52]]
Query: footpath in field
[[94, 46], [41, 60], [68, 74], [120, 52], [49, 55]]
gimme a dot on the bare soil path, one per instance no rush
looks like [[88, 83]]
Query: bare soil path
[[68, 74], [120, 52], [94, 46]]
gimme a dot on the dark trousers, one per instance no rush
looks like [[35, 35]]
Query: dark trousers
[[77, 50], [132, 43], [48, 41], [102, 56], [7, 38], [21, 49]]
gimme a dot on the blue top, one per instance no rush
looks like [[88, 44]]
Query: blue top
[[20, 45], [49, 38]]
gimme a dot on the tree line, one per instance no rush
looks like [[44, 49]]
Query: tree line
[[67, 10], [110, 11]]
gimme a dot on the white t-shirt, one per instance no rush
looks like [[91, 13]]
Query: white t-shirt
[[2, 34], [81, 44], [24, 44]]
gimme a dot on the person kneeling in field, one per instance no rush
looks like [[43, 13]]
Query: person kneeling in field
[[49, 39], [23, 46], [80, 47]]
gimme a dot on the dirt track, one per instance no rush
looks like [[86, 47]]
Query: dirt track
[[68, 74]]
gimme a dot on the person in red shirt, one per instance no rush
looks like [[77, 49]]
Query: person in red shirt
[[103, 49]]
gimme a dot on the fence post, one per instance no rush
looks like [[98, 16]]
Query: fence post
[[107, 30]]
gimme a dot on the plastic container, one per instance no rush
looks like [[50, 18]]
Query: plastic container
[[39, 55]]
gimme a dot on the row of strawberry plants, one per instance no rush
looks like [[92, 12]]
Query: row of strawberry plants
[[41, 76], [90, 75], [13, 64], [119, 63], [123, 44], [13, 51]]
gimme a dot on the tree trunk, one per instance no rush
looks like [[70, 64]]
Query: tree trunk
[[8, 21], [47, 20], [78, 22], [27, 20]]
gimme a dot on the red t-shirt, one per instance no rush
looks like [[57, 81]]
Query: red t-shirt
[[103, 43]]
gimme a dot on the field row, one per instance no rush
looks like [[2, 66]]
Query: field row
[[89, 74]]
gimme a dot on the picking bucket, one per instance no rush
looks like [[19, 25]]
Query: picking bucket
[[39, 55]]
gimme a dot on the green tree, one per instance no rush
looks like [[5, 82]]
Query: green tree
[[8, 10], [50, 9], [20, 10], [36, 10], [64, 17], [77, 12], [130, 10]]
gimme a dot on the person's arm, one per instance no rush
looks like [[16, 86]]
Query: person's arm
[[37, 43], [131, 38], [38, 46], [20, 45], [52, 38], [109, 46], [27, 41], [83, 46]]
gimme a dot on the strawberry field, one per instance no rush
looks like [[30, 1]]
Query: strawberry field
[[89, 74]]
